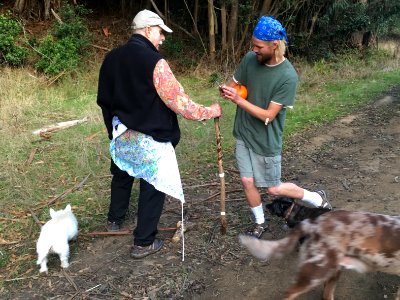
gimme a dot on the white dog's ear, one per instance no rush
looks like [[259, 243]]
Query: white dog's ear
[[68, 208], [52, 213]]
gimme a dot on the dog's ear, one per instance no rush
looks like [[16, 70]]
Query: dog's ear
[[68, 208], [52, 213]]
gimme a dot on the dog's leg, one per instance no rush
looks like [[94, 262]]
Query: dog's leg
[[64, 258], [43, 264], [310, 276], [330, 285]]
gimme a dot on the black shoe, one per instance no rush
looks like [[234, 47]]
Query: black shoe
[[325, 203], [113, 226], [257, 230], [143, 251]]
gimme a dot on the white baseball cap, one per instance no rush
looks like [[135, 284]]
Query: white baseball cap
[[146, 18]]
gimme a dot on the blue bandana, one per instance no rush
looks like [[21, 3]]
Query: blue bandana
[[269, 29]]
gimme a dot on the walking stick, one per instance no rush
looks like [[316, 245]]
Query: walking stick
[[221, 175]]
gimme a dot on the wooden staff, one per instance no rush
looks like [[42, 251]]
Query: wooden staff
[[221, 175]]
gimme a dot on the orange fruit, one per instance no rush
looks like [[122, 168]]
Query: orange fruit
[[242, 91]]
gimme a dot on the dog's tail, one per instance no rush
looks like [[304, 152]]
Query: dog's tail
[[272, 249]]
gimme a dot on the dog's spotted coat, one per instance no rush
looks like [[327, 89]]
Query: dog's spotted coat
[[353, 240]]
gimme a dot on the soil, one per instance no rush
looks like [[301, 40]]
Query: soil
[[356, 159]]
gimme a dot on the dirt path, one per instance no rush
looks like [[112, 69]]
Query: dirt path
[[357, 159]]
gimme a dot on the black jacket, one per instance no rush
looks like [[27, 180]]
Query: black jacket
[[126, 90]]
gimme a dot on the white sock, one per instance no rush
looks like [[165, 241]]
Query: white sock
[[313, 198], [258, 213]]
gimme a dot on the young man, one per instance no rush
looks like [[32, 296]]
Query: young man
[[140, 99], [271, 82]]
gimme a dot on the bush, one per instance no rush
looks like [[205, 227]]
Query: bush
[[73, 26], [57, 55], [62, 49], [10, 52], [16, 56]]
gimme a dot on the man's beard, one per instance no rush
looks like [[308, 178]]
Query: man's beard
[[264, 59]]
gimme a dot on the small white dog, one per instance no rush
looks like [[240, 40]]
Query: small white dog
[[54, 237]]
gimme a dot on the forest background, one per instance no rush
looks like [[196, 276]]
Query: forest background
[[208, 31]]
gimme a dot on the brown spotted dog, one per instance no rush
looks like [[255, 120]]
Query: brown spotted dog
[[339, 239]]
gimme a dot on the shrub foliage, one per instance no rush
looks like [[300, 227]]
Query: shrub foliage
[[11, 52], [63, 47]]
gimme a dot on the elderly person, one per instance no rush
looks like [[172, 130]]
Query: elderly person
[[271, 82], [140, 99]]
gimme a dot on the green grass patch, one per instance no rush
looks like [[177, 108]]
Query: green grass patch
[[338, 98]]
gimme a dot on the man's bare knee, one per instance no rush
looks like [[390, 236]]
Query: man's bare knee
[[274, 191], [248, 182]]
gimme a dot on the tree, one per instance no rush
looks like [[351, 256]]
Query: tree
[[38, 8], [211, 29], [232, 27]]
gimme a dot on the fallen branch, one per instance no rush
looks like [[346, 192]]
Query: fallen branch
[[243, 198], [35, 218], [69, 191], [58, 126], [93, 135], [125, 232], [5, 243], [92, 288], [31, 156], [217, 194], [232, 170], [71, 281], [57, 17], [167, 228], [200, 185], [212, 233], [20, 278], [55, 78], [209, 198], [8, 219], [100, 47]]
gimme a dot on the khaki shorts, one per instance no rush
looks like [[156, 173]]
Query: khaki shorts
[[266, 171]]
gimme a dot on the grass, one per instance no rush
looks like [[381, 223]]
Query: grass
[[327, 91]]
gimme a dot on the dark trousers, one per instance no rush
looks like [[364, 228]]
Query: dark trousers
[[150, 205]]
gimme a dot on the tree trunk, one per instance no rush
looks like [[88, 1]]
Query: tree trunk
[[211, 29], [265, 10], [36, 8], [246, 30], [223, 26], [46, 9], [166, 11], [232, 27], [196, 15], [19, 6]]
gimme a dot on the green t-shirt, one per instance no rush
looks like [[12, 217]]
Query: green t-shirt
[[264, 84]]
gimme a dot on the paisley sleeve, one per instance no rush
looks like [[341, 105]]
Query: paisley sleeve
[[173, 95]]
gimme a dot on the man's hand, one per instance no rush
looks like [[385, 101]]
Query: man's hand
[[230, 93], [216, 108]]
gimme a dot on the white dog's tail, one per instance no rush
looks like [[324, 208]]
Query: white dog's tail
[[271, 249]]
